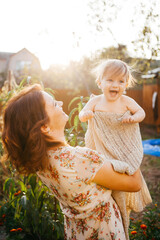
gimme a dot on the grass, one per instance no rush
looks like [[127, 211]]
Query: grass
[[150, 169], [151, 165]]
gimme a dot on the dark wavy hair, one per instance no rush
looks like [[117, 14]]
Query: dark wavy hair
[[26, 145]]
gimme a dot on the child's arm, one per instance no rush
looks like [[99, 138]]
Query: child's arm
[[138, 114], [87, 112]]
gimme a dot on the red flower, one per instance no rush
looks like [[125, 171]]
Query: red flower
[[143, 226], [17, 193], [4, 215], [19, 229], [134, 232], [13, 230]]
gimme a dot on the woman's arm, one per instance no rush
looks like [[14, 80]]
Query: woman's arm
[[108, 178]]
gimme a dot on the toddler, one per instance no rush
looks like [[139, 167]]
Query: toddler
[[113, 129]]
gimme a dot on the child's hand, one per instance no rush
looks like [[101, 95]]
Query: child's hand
[[128, 119], [86, 116]]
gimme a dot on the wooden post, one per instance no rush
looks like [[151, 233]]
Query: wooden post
[[9, 80]]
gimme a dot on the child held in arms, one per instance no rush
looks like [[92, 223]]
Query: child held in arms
[[113, 129]]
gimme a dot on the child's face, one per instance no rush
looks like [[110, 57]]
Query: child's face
[[113, 86]]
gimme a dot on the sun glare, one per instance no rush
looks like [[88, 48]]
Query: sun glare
[[58, 32], [50, 29], [59, 51]]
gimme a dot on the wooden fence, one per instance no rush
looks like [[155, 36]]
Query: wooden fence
[[142, 96]]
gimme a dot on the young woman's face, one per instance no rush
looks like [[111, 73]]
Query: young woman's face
[[113, 86], [57, 118]]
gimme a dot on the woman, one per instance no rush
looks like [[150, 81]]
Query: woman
[[80, 178]]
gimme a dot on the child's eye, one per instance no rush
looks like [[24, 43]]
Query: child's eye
[[109, 80], [121, 81]]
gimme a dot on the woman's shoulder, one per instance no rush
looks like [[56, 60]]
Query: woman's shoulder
[[76, 152], [60, 150], [66, 150]]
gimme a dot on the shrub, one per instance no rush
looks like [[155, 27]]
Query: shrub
[[148, 227], [30, 210]]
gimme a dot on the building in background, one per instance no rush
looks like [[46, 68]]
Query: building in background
[[20, 64]]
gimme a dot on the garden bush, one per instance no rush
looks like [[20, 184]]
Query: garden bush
[[148, 227], [28, 210]]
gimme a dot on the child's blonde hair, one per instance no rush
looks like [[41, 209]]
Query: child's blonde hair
[[115, 67]]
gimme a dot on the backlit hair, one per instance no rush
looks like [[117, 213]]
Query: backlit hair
[[114, 67], [24, 141]]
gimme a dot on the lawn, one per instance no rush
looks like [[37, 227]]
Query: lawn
[[150, 168]]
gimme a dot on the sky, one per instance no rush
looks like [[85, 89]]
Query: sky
[[58, 31]]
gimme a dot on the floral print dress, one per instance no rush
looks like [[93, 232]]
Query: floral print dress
[[90, 213]]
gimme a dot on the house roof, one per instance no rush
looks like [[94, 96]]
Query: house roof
[[8, 55], [148, 76], [5, 55], [156, 70], [152, 73]]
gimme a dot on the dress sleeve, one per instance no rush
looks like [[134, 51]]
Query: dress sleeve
[[87, 163]]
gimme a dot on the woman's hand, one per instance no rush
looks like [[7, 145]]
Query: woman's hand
[[108, 178]]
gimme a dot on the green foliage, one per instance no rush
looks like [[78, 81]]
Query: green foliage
[[28, 209], [75, 134], [30, 206], [148, 227], [147, 42]]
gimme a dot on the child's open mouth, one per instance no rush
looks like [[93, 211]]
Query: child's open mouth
[[113, 93]]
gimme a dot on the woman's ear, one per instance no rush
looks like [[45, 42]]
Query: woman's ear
[[45, 129]]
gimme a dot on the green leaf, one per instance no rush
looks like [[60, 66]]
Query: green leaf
[[76, 121], [22, 83], [32, 181], [80, 106], [23, 186], [71, 114], [72, 101], [9, 183], [50, 92]]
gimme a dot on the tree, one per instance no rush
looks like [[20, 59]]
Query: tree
[[147, 43], [144, 21]]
